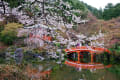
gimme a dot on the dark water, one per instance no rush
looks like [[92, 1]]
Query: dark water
[[64, 72], [70, 73]]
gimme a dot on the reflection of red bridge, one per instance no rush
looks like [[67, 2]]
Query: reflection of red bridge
[[87, 57], [36, 74], [2, 47]]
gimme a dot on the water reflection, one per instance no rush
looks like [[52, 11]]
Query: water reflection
[[49, 70]]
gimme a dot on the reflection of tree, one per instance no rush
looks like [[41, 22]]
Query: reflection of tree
[[14, 3], [85, 57], [102, 58]]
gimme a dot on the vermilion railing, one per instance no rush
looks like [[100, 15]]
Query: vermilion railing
[[91, 64]]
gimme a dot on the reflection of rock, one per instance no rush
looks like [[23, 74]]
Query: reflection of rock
[[7, 55], [2, 55], [29, 55], [40, 68], [37, 73], [53, 55], [59, 62], [41, 58], [19, 55]]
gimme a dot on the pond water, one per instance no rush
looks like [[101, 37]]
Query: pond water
[[64, 72], [69, 73]]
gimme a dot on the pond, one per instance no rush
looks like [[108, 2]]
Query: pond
[[36, 69], [64, 72]]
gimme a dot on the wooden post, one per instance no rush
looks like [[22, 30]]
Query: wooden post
[[78, 56], [92, 55]]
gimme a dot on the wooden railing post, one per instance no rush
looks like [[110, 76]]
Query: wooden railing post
[[78, 56], [92, 56]]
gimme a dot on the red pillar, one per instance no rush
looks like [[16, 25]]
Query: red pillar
[[78, 56], [92, 55]]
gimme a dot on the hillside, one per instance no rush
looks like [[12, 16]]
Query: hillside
[[110, 28], [110, 11], [60, 14], [67, 16]]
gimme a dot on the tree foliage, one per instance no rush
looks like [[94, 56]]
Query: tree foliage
[[14, 3], [57, 11], [94, 11], [9, 34], [76, 4], [110, 11]]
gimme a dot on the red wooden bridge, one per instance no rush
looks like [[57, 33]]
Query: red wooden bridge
[[87, 57]]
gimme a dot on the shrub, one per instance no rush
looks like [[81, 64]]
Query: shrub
[[14, 3], [2, 23], [1, 28], [9, 34]]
